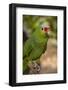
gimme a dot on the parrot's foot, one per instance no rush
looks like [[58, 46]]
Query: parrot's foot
[[34, 68]]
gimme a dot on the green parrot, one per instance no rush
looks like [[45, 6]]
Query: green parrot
[[35, 45]]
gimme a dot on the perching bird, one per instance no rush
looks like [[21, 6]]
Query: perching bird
[[36, 45]]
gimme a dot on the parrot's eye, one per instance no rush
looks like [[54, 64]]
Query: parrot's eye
[[42, 28], [45, 29]]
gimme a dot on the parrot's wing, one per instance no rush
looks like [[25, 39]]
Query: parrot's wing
[[38, 47], [36, 53], [27, 48]]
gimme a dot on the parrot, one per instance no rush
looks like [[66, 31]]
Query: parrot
[[36, 44]]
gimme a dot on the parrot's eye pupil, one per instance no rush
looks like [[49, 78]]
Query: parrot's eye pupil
[[42, 28]]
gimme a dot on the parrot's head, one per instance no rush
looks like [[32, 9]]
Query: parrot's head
[[46, 29]]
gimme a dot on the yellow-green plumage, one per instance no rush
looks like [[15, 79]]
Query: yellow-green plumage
[[34, 47]]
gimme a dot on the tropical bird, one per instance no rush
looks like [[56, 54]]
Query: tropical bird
[[36, 44]]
